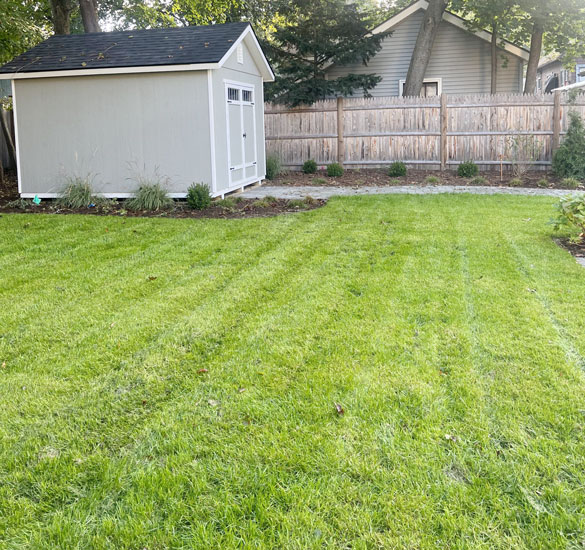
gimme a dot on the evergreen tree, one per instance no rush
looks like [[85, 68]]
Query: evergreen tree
[[314, 34]]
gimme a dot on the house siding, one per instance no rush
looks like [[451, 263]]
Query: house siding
[[459, 58]]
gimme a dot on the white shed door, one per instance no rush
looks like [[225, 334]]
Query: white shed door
[[241, 134]]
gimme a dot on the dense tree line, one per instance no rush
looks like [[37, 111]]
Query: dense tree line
[[302, 37]]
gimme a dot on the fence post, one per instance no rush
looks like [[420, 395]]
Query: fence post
[[556, 138], [444, 124], [340, 143]]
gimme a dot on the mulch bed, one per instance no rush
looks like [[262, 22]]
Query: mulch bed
[[380, 178], [244, 208], [576, 249]]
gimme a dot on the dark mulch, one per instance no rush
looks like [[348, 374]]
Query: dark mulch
[[357, 178], [576, 249], [243, 208]]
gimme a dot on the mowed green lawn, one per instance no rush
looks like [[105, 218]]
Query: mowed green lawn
[[449, 328]]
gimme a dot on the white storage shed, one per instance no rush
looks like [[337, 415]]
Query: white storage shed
[[185, 103]]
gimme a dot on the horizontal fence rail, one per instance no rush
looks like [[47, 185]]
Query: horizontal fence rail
[[437, 132]]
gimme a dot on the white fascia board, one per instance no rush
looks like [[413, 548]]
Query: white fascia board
[[257, 52], [111, 70]]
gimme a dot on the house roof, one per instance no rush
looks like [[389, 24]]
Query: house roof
[[449, 17], [178, 48]]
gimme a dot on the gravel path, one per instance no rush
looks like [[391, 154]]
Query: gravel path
[[325, 192]]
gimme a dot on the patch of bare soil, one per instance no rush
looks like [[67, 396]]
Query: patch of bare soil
[[576, 249], [380, 178]]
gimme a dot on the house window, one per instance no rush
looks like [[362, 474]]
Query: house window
[[247, 96], [431, 87], [580, 70], [233, 94]]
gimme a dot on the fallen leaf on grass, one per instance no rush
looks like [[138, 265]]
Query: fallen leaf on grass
[[450, 437], [213, 403], [202, 371], [531, 289], [152, 278], [339, 409], [4, 364], [241, 390]]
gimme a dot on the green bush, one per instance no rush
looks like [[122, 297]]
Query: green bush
[[198, 196], [543, 182], [297, 203], [397, 170], [151, 197], [570, 183], [467, 169], [569, 159], [334, 170], [266, 202], [78, 193], [431, 180], [515, 182], [571, 214], [478, 180], [273, 167], [309, 167]]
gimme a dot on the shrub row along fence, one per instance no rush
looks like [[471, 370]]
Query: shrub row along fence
[[503, 130], [6, 138]]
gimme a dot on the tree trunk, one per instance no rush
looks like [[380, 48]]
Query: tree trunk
[[7, 137], [89, 15], [61, 10], [494, 51], [423, 47], [534, 58]]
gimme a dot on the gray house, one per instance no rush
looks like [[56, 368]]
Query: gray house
[[186, 103], [460, 61], [552, 73]]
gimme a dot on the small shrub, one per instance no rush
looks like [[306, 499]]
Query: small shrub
[[467, 169], [19, 204], [226, 204], [543, 182], [310, 201], [266, 202], [569, 159], [395, 182], [570, 183], [431, 180], [78, 193], [515, 182], [151, 197], [319, 181], [334, 170], [478, 180], [397, 170], [198, 196], [296, 203], [310, 167], [273, 167], [571, 214]]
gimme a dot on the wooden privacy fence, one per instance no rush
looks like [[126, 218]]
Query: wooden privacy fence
[[432, 132]]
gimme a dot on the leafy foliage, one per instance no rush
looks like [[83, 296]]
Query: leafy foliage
[[309, 167], [515, 182], [570, 183], [397, 170], [467, 169], [198, 196], [273, 167], [314, 34], [335, 170], [569, 159], [150, 197], [571, 214]]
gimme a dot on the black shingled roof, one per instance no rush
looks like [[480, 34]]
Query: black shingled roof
[[175, 46]]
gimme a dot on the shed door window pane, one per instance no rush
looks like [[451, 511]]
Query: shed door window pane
[[247, 95], [233, 94]]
